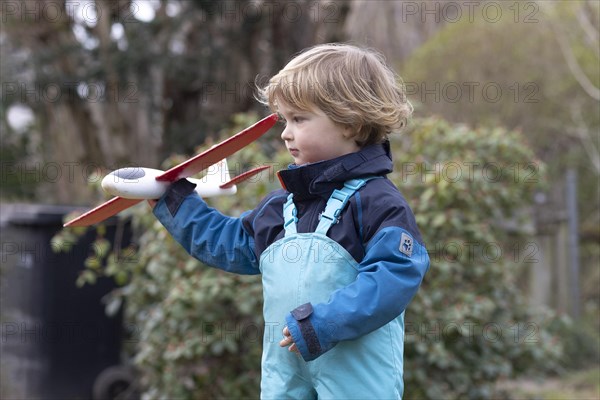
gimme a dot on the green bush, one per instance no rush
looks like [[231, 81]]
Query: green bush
[[580, 339], [199, 330], [469, 325]]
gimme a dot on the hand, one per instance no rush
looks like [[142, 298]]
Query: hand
[[288, 340]]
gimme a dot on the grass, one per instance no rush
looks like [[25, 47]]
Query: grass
[[577, 385]]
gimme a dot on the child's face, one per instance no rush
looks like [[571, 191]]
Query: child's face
[[311, 136]]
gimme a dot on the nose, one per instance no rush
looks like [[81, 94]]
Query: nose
[[286, 135]]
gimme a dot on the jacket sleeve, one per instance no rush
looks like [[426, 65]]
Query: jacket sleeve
[[205, 233], [389, 276]]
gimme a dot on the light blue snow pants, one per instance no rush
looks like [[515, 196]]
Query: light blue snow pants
[[308, 267]]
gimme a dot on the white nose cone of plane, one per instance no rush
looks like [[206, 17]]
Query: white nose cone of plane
[[135, 183]]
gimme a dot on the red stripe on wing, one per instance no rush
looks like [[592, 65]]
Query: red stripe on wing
[[103, 211], [223, 150]]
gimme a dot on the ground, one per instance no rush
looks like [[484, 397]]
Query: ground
[[577, 385]]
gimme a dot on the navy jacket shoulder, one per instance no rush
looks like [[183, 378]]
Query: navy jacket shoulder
[[376, 206]]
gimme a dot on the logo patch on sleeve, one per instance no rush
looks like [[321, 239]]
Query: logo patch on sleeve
[[406, 244]]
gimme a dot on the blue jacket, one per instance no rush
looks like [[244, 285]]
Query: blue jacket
[[370, 229]]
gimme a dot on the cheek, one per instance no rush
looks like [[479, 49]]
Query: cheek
[[309, 140]]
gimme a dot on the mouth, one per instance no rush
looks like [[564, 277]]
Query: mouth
[[294, 152]]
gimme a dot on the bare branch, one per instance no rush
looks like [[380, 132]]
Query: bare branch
[[582, 131], [573, 65], [563, 43], [592, 35]]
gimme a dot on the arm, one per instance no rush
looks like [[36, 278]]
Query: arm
[[387, 281], [206, 234]]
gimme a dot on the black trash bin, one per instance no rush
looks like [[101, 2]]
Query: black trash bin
[[56, 338]]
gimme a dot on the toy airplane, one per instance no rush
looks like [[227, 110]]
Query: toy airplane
[[133, 185]]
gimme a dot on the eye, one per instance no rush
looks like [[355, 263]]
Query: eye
[[298, 119]]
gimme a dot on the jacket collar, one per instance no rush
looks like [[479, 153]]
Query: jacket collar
[[321, 178]]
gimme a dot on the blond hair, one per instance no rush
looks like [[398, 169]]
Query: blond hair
[[352, 86]]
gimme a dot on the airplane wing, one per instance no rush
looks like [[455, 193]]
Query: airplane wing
[[187, 168], [103, 211], [223, 150]]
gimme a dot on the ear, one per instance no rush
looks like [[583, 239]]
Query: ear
[[349, 131]]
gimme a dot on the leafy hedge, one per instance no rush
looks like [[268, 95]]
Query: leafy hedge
[[469, 326], [197, 331]]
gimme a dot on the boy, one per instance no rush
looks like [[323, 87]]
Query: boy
[[338, 247]]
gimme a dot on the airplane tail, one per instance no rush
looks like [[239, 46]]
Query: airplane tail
[[211, 184]]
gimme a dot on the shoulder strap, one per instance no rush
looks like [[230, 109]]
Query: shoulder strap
[[335, 205], [337, 202], [290, 216]]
